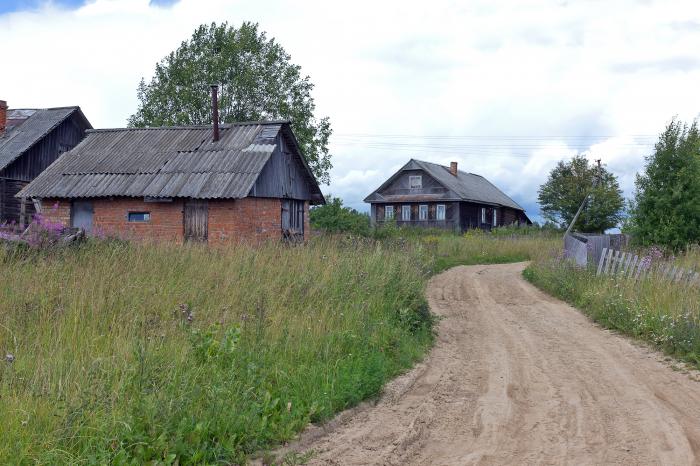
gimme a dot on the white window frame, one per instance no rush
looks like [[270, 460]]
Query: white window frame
[[483, 215], [440, 212], [423, 212], [406, 212], [417, 178], [388, 212], [495, 217]]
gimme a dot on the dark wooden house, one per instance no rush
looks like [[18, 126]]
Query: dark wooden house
[[244, 182], [30, 141], [430, 195]]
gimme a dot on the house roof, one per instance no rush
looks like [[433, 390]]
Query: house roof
[[177, 161], [29, 127], [465, 186]]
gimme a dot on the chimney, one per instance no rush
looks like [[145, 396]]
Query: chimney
[[453, 168], [3, 117], [215, 110]]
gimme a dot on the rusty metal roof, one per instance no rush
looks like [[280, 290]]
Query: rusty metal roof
[[172, 161], [33, 125]]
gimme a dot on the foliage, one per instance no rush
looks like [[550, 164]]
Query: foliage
[[663, 313], [666, 208], [258, 82], [566, 188], [121, 354], [333, 217]]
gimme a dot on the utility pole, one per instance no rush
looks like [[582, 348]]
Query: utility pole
[[596, 180]]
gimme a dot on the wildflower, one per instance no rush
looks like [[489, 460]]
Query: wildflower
[[9, 357]]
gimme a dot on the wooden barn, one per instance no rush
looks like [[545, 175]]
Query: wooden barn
[[30, 141], [240, 182], [425, 194]]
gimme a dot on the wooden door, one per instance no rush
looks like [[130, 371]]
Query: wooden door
[[196, 220], [81, 214]]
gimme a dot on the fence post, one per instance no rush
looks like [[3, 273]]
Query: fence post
[[601, 261]]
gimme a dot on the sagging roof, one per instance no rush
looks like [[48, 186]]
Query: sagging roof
[[29, 126], [164, 162], [465, 186]]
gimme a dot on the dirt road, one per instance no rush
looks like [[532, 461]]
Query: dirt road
[[517, 377]]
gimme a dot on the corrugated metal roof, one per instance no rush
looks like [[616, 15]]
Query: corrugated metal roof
[[38, 123], [467, 186], [161, 162]]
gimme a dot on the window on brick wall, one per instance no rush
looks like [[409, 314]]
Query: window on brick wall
[[139, 217]]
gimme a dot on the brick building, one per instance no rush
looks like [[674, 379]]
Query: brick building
[[182, 184]]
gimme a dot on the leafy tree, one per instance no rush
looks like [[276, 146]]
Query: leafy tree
[[566, 188], [666, 205], [334, 217], [257, 79]]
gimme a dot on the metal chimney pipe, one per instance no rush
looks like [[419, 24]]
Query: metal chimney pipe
[[215, 109]]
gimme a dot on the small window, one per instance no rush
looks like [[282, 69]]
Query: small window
[[440, 212], [423, 212], [483, 215], [139, 217], [406, 213], [388, 212], [415, 182], [494, 217]]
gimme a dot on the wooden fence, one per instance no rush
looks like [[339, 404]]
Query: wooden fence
[[627, 265], [585, 248]]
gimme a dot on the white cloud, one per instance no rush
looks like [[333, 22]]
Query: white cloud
[[561, 77]]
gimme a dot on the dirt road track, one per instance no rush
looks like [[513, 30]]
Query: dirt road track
[[517, 377]]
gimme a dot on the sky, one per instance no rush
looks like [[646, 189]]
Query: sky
[[505, 88]]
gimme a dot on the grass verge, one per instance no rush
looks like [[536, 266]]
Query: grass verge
[[665, 314], [127, 354]]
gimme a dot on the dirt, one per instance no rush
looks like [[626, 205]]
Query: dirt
[[517, 377]]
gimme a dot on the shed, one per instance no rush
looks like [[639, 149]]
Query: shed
[[30, 140], [181, 184]]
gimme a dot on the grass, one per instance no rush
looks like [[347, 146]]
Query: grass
[[665, 314], [126, 354]]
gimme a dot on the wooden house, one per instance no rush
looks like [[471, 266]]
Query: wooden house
[[425, 194], [242, 182], [30, 141]]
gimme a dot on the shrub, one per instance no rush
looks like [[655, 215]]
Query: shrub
[[333, 217]]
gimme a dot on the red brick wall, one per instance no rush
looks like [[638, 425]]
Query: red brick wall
[[230, 221], [249, 219]]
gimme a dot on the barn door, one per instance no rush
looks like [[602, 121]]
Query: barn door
[[196, 220], [292, 218], [81, 215]]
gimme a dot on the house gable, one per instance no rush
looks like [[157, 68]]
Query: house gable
[[398, 187], [286, 175]]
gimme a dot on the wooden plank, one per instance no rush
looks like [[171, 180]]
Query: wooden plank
[[640, 266], [633, 264], [615, 262], [621, 263], [601, 261], [608, 261], [627, 264]]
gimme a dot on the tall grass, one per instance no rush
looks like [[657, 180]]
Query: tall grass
[[125, 354], [663, 313]]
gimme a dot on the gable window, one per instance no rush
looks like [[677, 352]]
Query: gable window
[[388, 212], [139, 217], [415, 182], [440, 212], [483, 215], [406, 213], [423, 212], [494, 217]]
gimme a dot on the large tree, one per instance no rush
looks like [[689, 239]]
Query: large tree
[[568, 185], [257, 81], [666, 206]]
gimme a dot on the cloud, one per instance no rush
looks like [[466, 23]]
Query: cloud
[[505, 88]]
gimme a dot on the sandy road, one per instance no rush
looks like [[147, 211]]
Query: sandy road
[[517, 377]]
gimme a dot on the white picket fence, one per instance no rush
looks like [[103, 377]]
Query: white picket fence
[[627, 265]]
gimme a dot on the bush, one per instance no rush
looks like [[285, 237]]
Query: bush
[[335, 218]]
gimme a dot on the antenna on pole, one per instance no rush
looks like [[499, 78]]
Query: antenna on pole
[[596, 180]]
